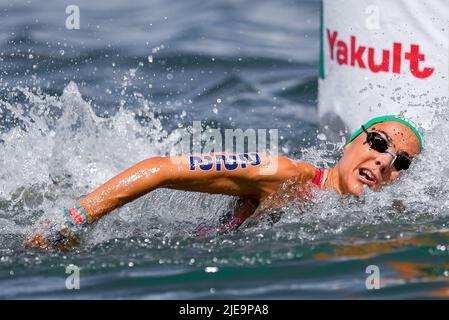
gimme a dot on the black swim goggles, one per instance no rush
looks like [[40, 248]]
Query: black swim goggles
[[380, 144]]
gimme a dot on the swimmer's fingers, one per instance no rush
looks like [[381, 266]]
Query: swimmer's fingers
[[37, 241], [63, 239]]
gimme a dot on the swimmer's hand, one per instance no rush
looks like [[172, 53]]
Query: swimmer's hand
[[58, 234], [50, 235]]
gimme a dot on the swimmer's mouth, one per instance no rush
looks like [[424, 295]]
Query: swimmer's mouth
[[367, 177]]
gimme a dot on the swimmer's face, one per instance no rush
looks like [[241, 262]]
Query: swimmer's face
[[362, 165]]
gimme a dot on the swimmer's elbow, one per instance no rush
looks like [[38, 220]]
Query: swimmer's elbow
[[157, 169], [166, 170]]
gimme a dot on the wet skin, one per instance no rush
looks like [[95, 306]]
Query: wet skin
[[359, 166], [348, 176]]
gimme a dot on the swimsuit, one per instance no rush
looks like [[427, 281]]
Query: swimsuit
[[235, 222]]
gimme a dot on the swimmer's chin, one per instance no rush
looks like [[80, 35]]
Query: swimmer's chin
[[357, 189]]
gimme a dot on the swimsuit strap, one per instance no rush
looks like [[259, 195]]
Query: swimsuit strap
[[318, 179], [232, 225]]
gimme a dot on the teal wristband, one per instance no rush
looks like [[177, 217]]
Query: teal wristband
[[86, 219], [81, 211], [69, 218]]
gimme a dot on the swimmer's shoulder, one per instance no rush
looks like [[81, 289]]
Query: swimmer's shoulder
[[285, 168], [305, 171]]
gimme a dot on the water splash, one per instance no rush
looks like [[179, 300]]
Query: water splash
[[56, 150], [416, 202]]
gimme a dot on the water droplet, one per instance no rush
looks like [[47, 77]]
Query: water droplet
[[211, 269]]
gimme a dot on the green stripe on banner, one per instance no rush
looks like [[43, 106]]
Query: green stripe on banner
[[321, 42]]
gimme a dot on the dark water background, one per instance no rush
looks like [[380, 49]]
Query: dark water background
[[79, 106]]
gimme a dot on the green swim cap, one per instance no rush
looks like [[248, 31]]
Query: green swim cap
[[384, 119]]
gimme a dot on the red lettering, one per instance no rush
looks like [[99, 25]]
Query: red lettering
[[397, 55], [356, 55], [331, 39], [342, 52], [415, 57], [378, 67]]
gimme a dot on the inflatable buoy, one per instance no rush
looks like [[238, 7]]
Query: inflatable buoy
[[382, 57]]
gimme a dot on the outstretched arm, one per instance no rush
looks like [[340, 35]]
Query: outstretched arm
[[250, 176], [232, 174]]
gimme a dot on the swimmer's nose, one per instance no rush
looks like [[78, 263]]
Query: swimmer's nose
[[383, 162]]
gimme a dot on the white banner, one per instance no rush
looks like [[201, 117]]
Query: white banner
[[382, 57]]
